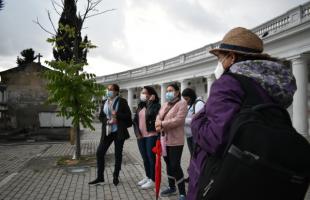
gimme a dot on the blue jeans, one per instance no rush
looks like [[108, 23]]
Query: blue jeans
[[145, 146]]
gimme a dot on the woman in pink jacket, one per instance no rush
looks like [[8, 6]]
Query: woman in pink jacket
[[170, 122]]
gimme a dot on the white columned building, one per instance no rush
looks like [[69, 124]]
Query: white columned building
[[286, 37]]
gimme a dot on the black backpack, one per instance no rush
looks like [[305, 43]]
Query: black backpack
[[265, 157]]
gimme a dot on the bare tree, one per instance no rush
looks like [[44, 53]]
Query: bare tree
[[90, 10]]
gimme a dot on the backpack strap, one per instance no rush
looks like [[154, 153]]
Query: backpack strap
[[250, 100], [194, 105], [253, 101]]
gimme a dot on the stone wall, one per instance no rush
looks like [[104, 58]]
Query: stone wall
[[27, 95]]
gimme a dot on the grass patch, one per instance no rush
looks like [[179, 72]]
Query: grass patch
[[84, 160]]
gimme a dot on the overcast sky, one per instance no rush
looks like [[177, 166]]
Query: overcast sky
[[138, 32]]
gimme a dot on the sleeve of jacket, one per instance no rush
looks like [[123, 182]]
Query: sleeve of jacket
[[102, 116], [179, 119], [124, 114], [210, 127], [155, 110], [135, 124]]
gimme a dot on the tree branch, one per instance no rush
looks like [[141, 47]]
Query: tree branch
[[58, 4], [53, 3], [49, 17], [87, 9], [42, 27], [94, 4], [91, 7], [99, 13]]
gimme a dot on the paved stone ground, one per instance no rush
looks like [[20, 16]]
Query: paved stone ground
[[29, 171]]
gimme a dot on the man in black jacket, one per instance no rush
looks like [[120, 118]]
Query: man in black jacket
[[115, 116]]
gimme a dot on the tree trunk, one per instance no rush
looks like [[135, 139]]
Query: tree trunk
[[77, 59], [78, 143]]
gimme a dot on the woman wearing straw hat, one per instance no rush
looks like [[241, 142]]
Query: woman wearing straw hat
[[240, 52]]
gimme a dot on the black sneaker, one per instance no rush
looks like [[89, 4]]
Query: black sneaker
[[115, 181], [168, 192], [96, 182]]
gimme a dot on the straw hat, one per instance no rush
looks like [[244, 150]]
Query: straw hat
[[242, 41]]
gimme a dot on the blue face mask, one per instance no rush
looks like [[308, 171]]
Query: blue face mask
[[110, 94], [169, 96]]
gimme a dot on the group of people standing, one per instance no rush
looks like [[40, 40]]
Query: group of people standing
[[205, 125]]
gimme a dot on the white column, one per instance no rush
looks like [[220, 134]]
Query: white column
[[130, 98], [210, 80], [163, 93], [300, 108], [184, 84]]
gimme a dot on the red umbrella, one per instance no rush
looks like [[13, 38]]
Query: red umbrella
[[157, 150]]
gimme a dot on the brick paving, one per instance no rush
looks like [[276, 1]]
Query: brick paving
[[29, 171]]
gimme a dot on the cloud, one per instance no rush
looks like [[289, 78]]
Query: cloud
[[191, 15], [16, 32], [153, 34], [138, 32], [101, 66]]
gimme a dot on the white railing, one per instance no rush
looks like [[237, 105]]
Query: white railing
[[123, 75], [306, 10], [171, 62], [273, 26], [155, 67], [138, 72], [291, 18], [196, 54]]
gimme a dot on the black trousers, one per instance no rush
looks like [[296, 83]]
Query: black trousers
[[102, 150], [191, 145], [174, 169]]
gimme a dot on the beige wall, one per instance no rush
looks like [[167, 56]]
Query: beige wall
[[27, 94]]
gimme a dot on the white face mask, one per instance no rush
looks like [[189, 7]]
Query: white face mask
[[219, 71], [143, 97]]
